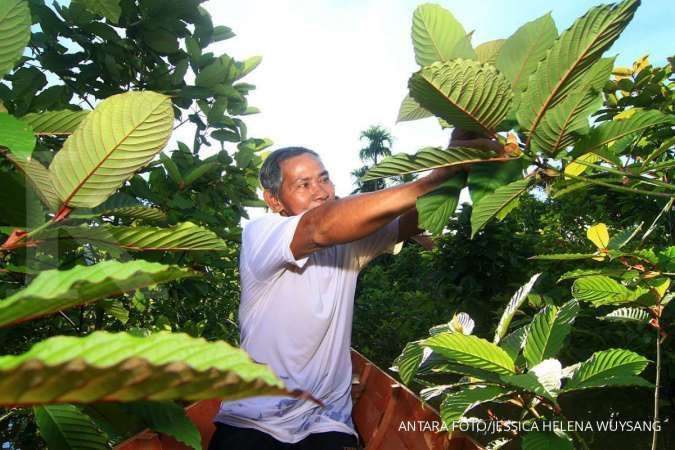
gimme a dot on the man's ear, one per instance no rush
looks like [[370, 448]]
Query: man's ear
[[272, 201]]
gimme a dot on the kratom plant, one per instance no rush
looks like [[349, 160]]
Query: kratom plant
[[635, 282], [517, 367], [92, 389], [535, 92]]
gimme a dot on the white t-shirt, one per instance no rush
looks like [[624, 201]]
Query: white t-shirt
[[296, 317]]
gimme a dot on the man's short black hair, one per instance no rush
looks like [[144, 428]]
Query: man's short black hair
[[270, 172]]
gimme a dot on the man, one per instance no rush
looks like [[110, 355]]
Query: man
[[298, 269]]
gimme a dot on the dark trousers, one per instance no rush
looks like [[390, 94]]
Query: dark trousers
[[228, 437]]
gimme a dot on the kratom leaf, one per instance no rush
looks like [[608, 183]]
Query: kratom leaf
[[17, 136], [15, 24], [471, 351], [121, 205], [248, 65], [577, 167], [529, 383], [460, 323], [547, 332], [184, 236], [522, 51], [515, 302], [110, 9], [171, 169], [549, 373], [491, 205], [115, 308], [411, 110], [602, 290], [198, 172], [544, 440], [513, 342], [221, 70], [98, 158], [463, 49], [486, 178], [569, 59], [608, 367], [466, 94], [41, 180], [55, 122], [409, 361], [119, 367], [612, 130], [598, 235], [487, 52], [425, 159], [457, 404], [54, 290], [436, 207], [578, 273], [168, 418], [620, 239], [65, 427], [636, 315], [565, 123], [435, 34]]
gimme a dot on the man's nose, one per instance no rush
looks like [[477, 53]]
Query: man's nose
[[320, 191]]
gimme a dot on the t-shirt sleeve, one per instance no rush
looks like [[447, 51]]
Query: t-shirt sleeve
[[381, 241], [266, 245]]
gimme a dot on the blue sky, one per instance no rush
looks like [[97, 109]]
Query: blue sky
[[332, 68]]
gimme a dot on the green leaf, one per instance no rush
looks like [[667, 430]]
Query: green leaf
[[436, 207], [248, 65], [161, 41], [121, 205], [54, 290], [457, 404], [578, 273], [471, 351], [425, 159], [544, 440], [612, 367], [569, 59], [487, 52], [120, 367], [547, 332], [565, 123], [184, 236], [120, 136], [221, 70], [435, 34], [221, 33], [171, 168], [199, 172], [636, 315], [168, 418], [41, 180], [65, 427], [515, 302], [519, 56], [513, 342], [17, 136], [55, 122], [529, 383], [615, 129], [115, 308], [110, 9], [495, 203], [15, 21], [411, 110], [620, 239], [602, 290], [564, 257], [466, 94], [486, 178], [409, 361]]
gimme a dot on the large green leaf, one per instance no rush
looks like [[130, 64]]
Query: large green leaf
[[120, 136], [613, 367], [515, 302], [411, 110], [471, 351], [513, 342], [120, 367], [570, 57], [41, 180], [568, 121], [497, 204], [545, 440], [15, 23], [54, 290], [635, 315], [65, 427], [435, 34], [409, 361], [547, 332], [17, 136], [184, 236], [425, 159], [486, 178], [616, 129], [168, 418], [457, 404], [110, 9], [529, 383], [221, 70], [121, 205], [487, 52], [436, 207], [55, 122], [466, 94], [519, 56], [603, 290]]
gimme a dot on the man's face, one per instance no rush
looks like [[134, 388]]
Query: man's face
[[305, 185]]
